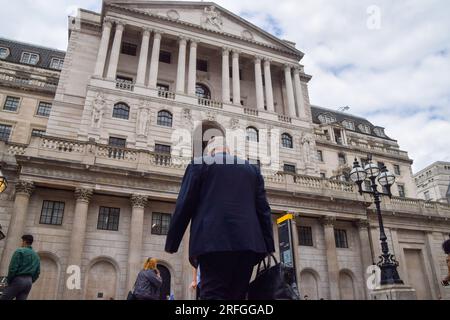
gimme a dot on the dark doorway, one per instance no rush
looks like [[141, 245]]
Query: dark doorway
[[203, 134], [166, 278]]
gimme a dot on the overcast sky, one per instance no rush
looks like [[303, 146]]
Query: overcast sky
[[394, 70]]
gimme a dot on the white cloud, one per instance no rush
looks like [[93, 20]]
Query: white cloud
[[397, 76]]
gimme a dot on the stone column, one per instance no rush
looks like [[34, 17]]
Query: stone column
[[299, 94], [143, 57], [103, 50], [77, 237], [269, 88], [295, 246], [154, 62], [332, 262], [289, 90], [192, 77], [181, 68], [226, 75], [138, 203], [24, 190], [259, 84], [115, 51], [366, 251], [236, 79]]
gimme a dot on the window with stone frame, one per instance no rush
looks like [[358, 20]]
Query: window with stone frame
[[108, 219], [340, 237], [397, 169], [57, 63], [252, 134], [350, 125], [342, 159], [364, 128], [4, 52], [305, 236], [44, 109], [320, 155], [289, 168], [5, 132], [11, 104], [52, 213], [286, 141], [165, 119], [121, 111], [117, 142], [163, 149], [160, 223], [29, 58], [165, 57], [401, 191], [326, 118]]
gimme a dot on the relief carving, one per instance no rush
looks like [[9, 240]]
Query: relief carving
[[212, 17], [98, 109], [143, 119]]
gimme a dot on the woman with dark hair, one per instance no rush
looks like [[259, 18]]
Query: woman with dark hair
[[446, 247]]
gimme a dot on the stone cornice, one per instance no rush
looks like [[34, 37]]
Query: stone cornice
[[294, 52]]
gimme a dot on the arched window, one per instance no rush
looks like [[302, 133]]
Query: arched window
[[121, 111], [202, 91], [286, 141], [165, 118], [252, 134]]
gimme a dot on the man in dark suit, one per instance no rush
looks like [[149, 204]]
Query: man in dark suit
[[231, 227]]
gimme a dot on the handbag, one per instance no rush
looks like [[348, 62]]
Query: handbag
[[131, 295], [273, 282]]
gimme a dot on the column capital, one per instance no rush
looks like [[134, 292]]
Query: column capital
[[236, 53], [362, 223], [83, 194], [226, 50], [146, 31], [288, 67], [108, 22], [158, 33], [120, 25], [328, 221], [138, 201], [194, 42], [25, 187], [182, 39], [268, 61], [258, 59]]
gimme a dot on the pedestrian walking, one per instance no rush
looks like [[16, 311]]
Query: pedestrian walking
[[148, 283]]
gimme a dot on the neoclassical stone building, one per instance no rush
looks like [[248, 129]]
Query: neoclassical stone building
[[141, 85]]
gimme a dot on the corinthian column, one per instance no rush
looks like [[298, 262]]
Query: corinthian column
[[332, 262], [103, 50], [236, 79], [299, 94], [226, 75], [77, 237], [181, 72], [366, 251], [259, 84], [138, 203], [154, 62], [24, 190], [289, 90], [115, 51], [269, 88], [192, 77], [143, 57]]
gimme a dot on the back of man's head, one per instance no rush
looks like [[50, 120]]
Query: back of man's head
[[28, 239], [217, 145]]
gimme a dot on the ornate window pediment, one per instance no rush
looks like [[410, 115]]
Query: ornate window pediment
[[326, 118]]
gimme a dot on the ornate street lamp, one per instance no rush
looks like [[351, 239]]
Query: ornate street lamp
[[3, 186], [388, 265]]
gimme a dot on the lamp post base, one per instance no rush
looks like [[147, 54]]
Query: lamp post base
[[393, 292]]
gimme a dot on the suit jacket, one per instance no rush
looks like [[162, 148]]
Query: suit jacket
[[227, 207]]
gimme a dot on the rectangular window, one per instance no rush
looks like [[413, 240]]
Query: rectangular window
[[397, 169], [129, 49], [11, 103], [57, 63], [289, 168], [117, 142], [320, 155], [401, 191], [305, 236], [52, 213], [44, 109], [108, 219], [342, 159], [162, 87], [165, 57], [5, 132], [160, 223], [29, 58], [340, 236], [161, 148], [37, 133], [202, 65]]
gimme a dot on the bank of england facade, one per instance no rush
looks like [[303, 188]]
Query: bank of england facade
[[94, 159]]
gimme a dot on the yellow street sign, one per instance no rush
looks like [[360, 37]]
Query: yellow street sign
[[288, 216]]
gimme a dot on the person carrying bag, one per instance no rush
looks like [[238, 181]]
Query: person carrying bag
[[273, 282], [148, 283]]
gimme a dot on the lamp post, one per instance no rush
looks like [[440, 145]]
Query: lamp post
[[3, 186], [387, 264]]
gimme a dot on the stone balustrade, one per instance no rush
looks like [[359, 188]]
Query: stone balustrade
[[27, 82], [210, 103], [251, 112], [166, 94], [283, 118], [124, 85]]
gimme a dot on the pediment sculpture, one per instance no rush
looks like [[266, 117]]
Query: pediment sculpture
[[98, 110], [212, 17]]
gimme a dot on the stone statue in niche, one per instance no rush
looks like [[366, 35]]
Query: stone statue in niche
[[142, 121], [97, 110], [307, 146], [212, 17]]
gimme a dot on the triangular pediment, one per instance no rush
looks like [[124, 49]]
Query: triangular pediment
[[209, 16]]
